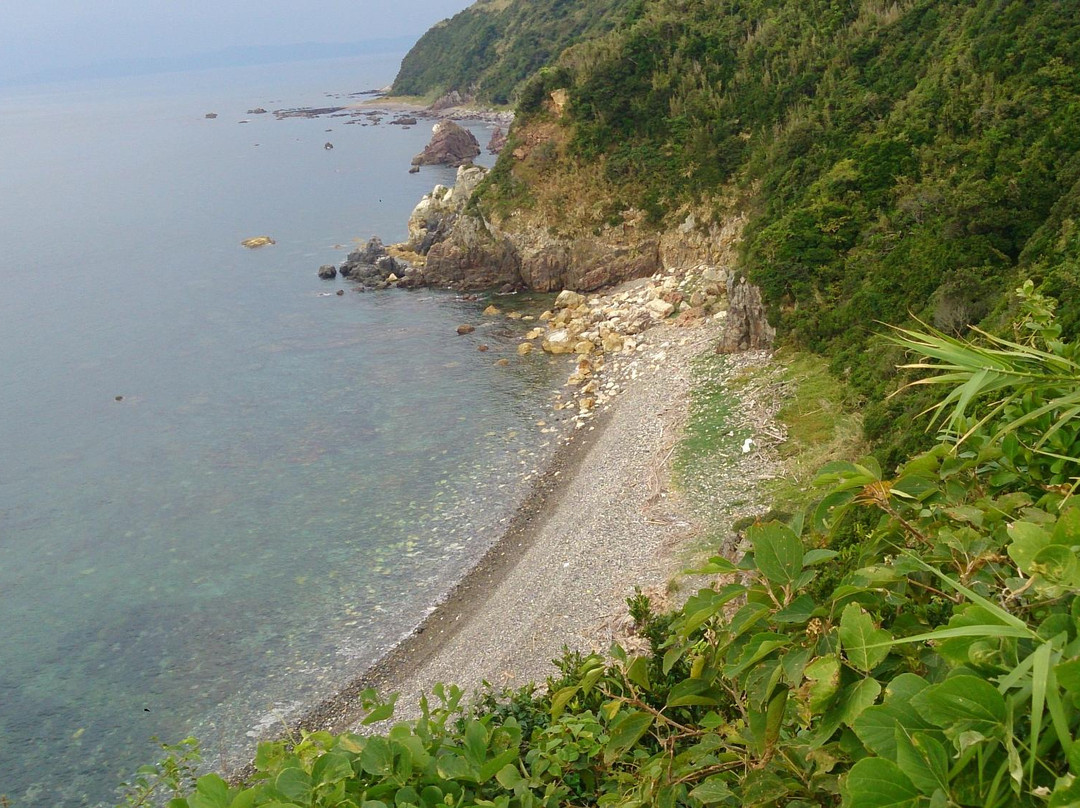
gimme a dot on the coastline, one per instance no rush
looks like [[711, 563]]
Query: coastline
[[598, 521]]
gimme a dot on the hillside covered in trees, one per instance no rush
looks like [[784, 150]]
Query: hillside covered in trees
[[894, 158]]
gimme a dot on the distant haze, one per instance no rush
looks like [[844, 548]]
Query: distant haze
[[61, 38]]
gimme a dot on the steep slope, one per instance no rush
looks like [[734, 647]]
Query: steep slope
[[488, 49], [893, 158]]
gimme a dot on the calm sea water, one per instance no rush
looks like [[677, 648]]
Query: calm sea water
[[291, 478]]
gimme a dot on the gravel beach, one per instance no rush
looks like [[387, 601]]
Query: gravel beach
[[601, 522]]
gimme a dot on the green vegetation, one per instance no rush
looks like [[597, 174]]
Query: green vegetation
[[490, 48], [900, 158], [909, 640]]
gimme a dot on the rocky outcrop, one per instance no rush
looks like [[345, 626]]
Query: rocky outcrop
[[497, 142], [474, 258], [372, 267], [435, 215], [450, 100], [747, 327], [450, 145]]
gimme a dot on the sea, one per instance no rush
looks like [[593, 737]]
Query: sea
[[225, 490]]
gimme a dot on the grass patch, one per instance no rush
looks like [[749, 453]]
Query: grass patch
[[822, 424], [710, 435]]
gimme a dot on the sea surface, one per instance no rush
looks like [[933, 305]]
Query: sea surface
[[224, 490]]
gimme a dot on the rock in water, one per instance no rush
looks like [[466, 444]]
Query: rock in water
[[465, 329], [497, 142], [327, 271], [257, 241], [450, 145]]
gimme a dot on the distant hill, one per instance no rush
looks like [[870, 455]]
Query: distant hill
[[487, 50]]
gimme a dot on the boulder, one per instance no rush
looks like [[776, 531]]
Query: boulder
[[327, 271], [559, 341], [465, 329], [450, 145], [660, 308], [568, 299]]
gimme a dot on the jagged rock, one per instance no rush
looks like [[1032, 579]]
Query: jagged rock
[[256, 111], [497, 142], [747, 328], [450, 145], [414, 169], [327, 271], [473, 259], [369, 253], [434, 216]]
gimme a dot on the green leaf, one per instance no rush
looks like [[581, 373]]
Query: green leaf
[[879, 783], [380, 712], [1027, 541], [799, 610], [923, 759], [824, 673], [813, 557], [963, 704], [377, 757], [762, 786], [210, 792], [866, 646], [712, 790], [638, 672], [492, 767], [778, 552], [625, 732], [331, 768], [561, 699], [294, 783], [876, 727], [693, 692], [509, 776], [475, 743]]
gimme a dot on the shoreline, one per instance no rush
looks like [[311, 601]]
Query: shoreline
[[341, 710], [521, 594]]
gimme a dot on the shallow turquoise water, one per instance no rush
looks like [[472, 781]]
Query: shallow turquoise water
[[290, 480]]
